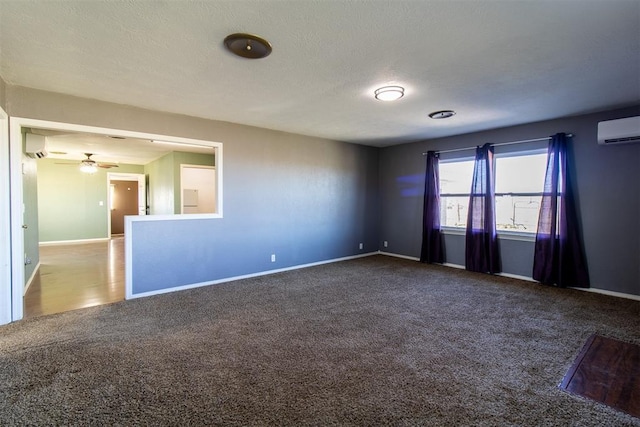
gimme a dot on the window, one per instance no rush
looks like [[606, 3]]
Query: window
[[455, 183], [519, 185]]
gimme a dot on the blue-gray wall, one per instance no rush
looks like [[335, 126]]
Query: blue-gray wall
[[304, 202], [3, 95], [608, 189]]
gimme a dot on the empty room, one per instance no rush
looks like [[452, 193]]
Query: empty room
[[305, 212]]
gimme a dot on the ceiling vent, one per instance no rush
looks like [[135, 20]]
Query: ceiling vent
[[36, 146], [620, 131]]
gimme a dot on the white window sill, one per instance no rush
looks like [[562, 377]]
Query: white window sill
[[503, 235]]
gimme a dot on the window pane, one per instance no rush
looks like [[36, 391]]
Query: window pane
[[453, 211], [520, 174], [517, 213], [455, 177]]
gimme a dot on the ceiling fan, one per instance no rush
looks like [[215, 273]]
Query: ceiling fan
[[89, 165]]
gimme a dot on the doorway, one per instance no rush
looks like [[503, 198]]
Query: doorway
[[127, 195]]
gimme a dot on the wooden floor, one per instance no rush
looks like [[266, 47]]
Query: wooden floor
[[607, 371], [76, 276]]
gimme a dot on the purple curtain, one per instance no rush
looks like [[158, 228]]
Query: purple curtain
[[559, 257], [481, 251], [432, 245]]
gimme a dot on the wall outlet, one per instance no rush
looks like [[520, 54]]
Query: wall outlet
[[385, 243], [273, 257], [361, 246]]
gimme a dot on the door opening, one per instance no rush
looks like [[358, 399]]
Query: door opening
[[127, 195]]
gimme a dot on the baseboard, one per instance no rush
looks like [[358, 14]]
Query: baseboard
[[33, 275], [74, 242], [131, 295], [412, 258], [610, 293], [530, 279]]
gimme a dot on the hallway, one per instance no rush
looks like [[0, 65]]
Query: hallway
[[76, 276]]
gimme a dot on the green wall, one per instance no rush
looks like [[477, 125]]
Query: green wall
[[72, 204], [30, 216], [180, 158], [160, 185], [164, 180]]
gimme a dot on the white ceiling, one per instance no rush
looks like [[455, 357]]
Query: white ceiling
[[496, 63]]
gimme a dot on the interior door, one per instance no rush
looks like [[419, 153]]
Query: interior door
[[134, 195], [124, 201]]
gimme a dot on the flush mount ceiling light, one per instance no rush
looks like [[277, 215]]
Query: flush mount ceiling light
[[247, 45], [389, 93], [442, 114]]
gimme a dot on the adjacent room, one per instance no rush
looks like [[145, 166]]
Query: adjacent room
[[290, 212]]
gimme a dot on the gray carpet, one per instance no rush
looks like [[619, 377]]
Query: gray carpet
[[372, 341]]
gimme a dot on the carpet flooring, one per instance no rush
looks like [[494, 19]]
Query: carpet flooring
[[372, 341]]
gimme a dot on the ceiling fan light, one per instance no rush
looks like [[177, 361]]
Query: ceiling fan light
[[88, 168], [389, 93]]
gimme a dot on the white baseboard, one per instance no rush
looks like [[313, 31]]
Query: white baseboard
[[131, 295], [610, 293], [33, 275], [530, 279], [412, 258], [74, 242]]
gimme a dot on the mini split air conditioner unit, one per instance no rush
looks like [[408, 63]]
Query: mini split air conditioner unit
[[620, 131], [36, 146]]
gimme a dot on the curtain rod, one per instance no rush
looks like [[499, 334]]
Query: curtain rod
[[497, 144]]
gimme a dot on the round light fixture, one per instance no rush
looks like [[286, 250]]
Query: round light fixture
[[247, 45], [389, 93], [442, 114]]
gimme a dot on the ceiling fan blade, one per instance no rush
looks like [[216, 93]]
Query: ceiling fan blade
[[107, 165]]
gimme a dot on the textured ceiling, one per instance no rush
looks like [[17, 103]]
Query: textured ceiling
[[496, 63]]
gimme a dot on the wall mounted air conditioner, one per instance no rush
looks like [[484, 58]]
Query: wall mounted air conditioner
[[620, 131], [36, 146]]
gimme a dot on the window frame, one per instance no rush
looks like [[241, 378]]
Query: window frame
[[527, 236]]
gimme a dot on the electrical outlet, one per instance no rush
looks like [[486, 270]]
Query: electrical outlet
[[385, 244], [361, 246], [273, 257]]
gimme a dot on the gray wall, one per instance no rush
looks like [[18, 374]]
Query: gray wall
[[3, 94], [606, 179], [303, 202], [305, 199]]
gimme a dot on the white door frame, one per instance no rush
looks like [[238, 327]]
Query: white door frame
[[142, 192], [5, 221], [17, 203]]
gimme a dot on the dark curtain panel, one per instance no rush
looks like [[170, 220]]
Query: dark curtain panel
[[481, 251], [432, 245], [559, 257]]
